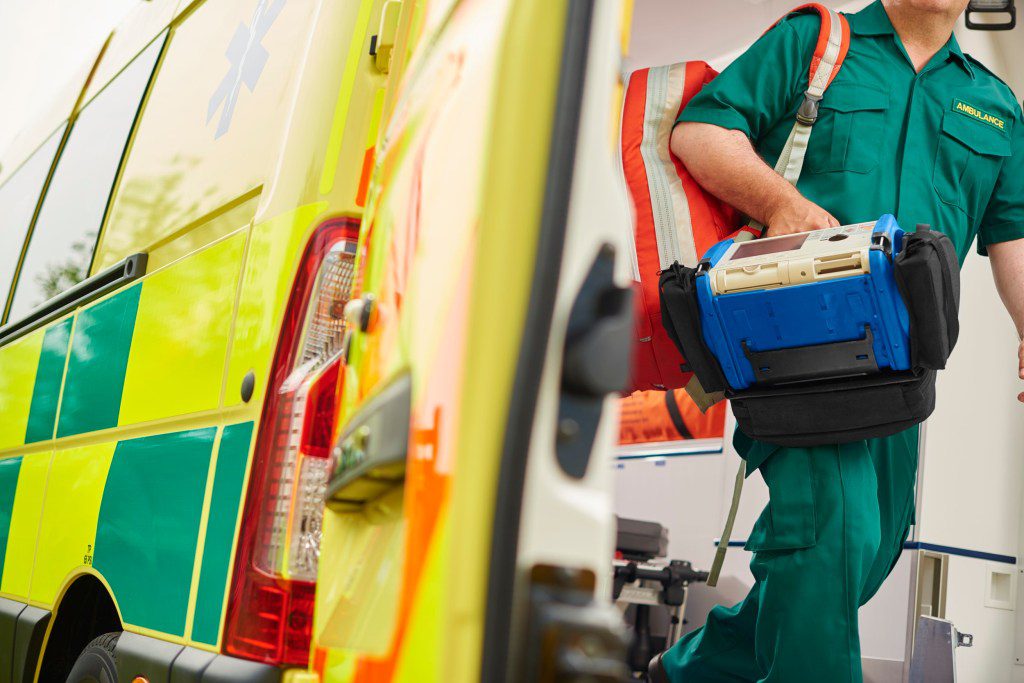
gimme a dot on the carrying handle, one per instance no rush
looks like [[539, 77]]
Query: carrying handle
[[976, 7]]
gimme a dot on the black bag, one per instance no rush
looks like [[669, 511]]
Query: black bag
[[928, 277], [839, 410]]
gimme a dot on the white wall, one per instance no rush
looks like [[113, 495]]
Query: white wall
[[974, 443], [990, 660], [668, 31]]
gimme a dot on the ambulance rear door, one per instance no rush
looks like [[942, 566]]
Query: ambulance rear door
[[549, 593], [469, 530]]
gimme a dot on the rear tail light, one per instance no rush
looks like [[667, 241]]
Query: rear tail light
[[270, 610]]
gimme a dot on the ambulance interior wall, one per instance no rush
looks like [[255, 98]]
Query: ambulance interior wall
[[970, 483]]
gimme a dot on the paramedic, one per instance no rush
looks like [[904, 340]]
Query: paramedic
[[911, 126]]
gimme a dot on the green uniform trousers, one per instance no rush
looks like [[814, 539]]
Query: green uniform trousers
[[832, 531]]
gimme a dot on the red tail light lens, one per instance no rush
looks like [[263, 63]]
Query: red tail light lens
[[275, 622], [321, 411], [270, 610]]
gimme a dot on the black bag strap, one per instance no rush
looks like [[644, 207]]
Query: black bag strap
[[676, 416]]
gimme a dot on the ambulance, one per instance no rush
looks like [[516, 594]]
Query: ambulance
[[314, 315]]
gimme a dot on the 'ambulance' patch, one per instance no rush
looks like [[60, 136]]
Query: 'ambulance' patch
[[978, 114]]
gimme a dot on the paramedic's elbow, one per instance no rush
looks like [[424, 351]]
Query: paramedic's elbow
[[686, 141], [706, 150], [676, 141]]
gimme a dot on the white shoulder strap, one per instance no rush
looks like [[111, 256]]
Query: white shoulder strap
[[791, 161]]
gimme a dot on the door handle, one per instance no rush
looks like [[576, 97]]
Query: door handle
[[595, 360], [90, 289], [597, 346], [369, 456]]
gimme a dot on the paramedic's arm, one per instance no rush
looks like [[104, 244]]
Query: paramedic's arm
[[1008, 269], [1001, 236], [761, 88], [726, 165]]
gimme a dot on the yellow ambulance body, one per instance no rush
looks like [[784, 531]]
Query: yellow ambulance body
[[184, 379]]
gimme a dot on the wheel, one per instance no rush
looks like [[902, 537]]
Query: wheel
[[97, 663]]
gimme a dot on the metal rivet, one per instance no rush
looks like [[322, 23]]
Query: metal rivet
[[248, 386], [568, 429]]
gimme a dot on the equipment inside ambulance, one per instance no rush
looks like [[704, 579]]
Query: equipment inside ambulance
[[649, 589]]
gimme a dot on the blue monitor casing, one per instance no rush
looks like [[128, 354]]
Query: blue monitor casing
[[812, 318]]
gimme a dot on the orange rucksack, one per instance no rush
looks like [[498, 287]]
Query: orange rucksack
[[674, 218]]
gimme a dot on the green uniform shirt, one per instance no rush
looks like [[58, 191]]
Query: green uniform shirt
[[944, 146]]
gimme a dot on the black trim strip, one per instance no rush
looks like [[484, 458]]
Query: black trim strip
[[28, 642], [536, 333], [10, 610], [90, 289], [677, 417], [160, 661]]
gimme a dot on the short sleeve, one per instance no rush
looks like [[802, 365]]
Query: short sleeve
[[1004, 217], [763, 85]]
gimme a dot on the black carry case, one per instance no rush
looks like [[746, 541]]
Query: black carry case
[[640, 540], [846, 409]]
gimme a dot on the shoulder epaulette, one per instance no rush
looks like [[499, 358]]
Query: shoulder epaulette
[[979, 63], [1013, 96]]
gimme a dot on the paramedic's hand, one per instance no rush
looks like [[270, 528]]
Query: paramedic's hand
[[797, 214]]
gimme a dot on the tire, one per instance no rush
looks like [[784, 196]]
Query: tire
[[97, 663]]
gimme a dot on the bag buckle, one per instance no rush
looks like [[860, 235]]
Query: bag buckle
[[808, 112]]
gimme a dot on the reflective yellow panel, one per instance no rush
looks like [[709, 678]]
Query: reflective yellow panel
[[207, 230], [18, 361], [21, 539], [274, 252], [67, 532], [176, 362], [362, 594]]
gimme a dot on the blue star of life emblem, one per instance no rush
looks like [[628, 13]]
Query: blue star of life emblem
[[247, 57]]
